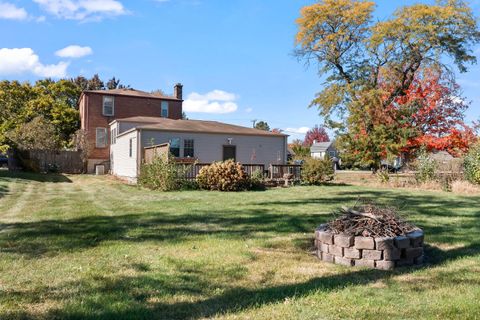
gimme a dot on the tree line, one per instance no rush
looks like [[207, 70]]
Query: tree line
[[44, 115], [387, 89]]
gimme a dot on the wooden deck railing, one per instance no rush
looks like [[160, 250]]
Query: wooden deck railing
[[278, 171], [192, 169]]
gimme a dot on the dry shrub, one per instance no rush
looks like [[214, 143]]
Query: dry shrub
[[465, 187], [223, 176]]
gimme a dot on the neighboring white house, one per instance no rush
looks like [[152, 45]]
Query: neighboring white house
[[205, 141], [320, 149]]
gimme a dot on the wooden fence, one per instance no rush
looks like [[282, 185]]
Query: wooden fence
[[149, 153], [63, 161]]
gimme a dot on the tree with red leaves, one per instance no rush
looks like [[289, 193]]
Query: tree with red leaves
[[435, 114], [318, 134]]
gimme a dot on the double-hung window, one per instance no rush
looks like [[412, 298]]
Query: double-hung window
[[101, 137], [175, 147], [108, 105], [164, 112], [188, 148]]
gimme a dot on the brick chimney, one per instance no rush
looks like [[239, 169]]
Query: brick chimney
[[178, 91]]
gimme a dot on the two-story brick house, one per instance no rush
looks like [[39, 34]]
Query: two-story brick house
[[98, 108]]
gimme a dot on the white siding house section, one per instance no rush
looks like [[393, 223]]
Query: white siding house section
[[208, 147], [123, 156]]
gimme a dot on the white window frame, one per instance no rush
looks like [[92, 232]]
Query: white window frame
[[193, 147], [162, 105], [130, 147], [103, 105], [105, 138]]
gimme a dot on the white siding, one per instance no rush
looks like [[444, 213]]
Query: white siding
[[209, 147], [124, 165]]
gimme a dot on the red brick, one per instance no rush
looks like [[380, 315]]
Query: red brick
[[91, 117]]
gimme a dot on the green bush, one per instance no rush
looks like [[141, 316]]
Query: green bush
[[472, 164], [164, 174], [223, 176], [317, 171], [257, 180], [426, 167]]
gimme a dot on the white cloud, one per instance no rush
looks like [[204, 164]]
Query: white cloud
[[301, 130], [24, 60], [82, 9], [74, 51], [12, 12], [216, 101]]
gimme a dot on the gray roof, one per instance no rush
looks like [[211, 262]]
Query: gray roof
[[320, 146], [441, 156], [166, 124]]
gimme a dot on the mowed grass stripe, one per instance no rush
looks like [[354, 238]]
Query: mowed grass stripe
[[112, 251]]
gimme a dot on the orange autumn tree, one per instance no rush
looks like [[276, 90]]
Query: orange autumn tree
[[370, 65], [433, 112]]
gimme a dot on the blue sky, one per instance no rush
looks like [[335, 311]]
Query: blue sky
[[233, 57]]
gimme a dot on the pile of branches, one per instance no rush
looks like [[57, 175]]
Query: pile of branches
[[370, 220]]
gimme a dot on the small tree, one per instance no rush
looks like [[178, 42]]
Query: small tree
[[84, 145], [38, 134], [317, 171], [262, 125], [318, 134]]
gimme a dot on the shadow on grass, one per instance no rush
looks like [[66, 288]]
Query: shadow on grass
[[6, 175], [33, 239], [137, 297], [37, 238]]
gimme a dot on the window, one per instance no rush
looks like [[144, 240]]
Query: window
[[130, 147], [188, 150], [331, 154], [164, 109], [175, 147], [108, 105], [101, 137], [113, 136]]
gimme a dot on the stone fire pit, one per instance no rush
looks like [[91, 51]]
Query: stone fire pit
[[380, 252]]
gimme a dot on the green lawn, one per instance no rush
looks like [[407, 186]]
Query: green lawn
[[84, 247]]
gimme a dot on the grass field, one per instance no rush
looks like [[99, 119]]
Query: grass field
[[85, 247]]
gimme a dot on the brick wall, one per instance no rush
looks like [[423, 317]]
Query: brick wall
[[91, 115]]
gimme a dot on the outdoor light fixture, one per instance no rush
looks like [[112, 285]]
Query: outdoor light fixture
[[229, 140]]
